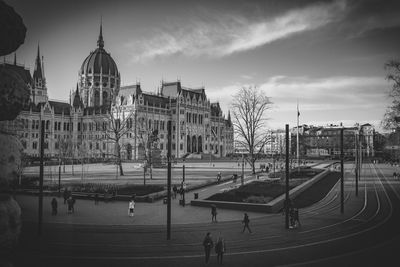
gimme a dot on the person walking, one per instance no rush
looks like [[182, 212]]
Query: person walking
[[65, 195], [175, 191], [54, 205], [296, 217], [219, 177], [208, 244], [246, 222], [131, 208], [220, 248], [213, 213], [70, 203]]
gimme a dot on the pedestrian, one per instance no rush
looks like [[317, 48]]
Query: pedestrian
[[246, 222], [70, 203], [219, 177], [291, 218], [54, 206], [213, 213], [208, 244], [395, 175], [220, 248], [65, 194], [131, 211], [296, 218], [175, 191], [96, 198]]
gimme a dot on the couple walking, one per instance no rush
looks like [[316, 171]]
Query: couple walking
[[220, 247]]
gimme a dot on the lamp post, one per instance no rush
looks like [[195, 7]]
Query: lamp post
[[40, 215], [169, 182], [341, 172], [242, 179], [287, 200]]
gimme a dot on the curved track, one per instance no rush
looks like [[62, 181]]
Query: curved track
[[367, 228]]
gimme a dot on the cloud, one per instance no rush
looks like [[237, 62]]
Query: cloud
[[341, 97], [367, 15], [225, 34]]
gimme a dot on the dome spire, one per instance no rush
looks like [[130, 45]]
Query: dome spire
[[100, 41]]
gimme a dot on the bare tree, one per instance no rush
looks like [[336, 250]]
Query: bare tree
[[82, 154], [249, 107], [391, 117], [148, 138], [65, 148], [115, 124]]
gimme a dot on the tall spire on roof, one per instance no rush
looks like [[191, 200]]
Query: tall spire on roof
[[15, 58], [100, 41], [37, 72], [42, 66]]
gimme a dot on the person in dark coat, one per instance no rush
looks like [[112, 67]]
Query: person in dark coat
[[175, 191], [246, 222], [213, 213], [220, 248], [66, 195], [54, 206], [70, 203], [208, 244]]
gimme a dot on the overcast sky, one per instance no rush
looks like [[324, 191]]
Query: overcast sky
[[327, 54]]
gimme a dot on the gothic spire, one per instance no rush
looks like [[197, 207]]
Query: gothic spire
[[100, 41], [37, 72], [15, 58]]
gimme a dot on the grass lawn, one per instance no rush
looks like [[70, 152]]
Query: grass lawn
[[265, 191], [255, 192], [316, 192]]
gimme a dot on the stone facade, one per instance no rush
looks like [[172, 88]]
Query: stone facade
[[78, 128]]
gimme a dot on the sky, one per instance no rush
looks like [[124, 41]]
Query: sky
[[328, 56]]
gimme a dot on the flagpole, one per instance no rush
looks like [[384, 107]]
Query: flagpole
[[298, 148]]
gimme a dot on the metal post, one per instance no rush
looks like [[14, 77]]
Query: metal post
[[59, 180], [169, 182], [356, 163], [341, 172], [40, 217], [287, 200], [183, 186], [360, 157], [242, 179]]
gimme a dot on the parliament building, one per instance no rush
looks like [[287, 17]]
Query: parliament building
[[78, 128]]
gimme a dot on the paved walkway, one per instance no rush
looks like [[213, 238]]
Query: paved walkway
[[116, 213]]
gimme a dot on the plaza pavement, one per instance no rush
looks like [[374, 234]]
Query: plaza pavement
[[116, 212]]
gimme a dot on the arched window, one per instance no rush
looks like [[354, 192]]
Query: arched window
[[96, 98], [105, 99]]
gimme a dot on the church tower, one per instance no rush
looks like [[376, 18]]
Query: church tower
[[39, 89]]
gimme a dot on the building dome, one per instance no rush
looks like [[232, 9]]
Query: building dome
[[99, 79], [99, 62]]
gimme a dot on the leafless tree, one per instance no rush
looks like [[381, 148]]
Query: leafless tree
[[82, 154], [115, 124], [148, 138], [65, 148], [391, 117], [249, 108]]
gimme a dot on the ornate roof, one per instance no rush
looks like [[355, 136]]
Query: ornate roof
[[99, 61]]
